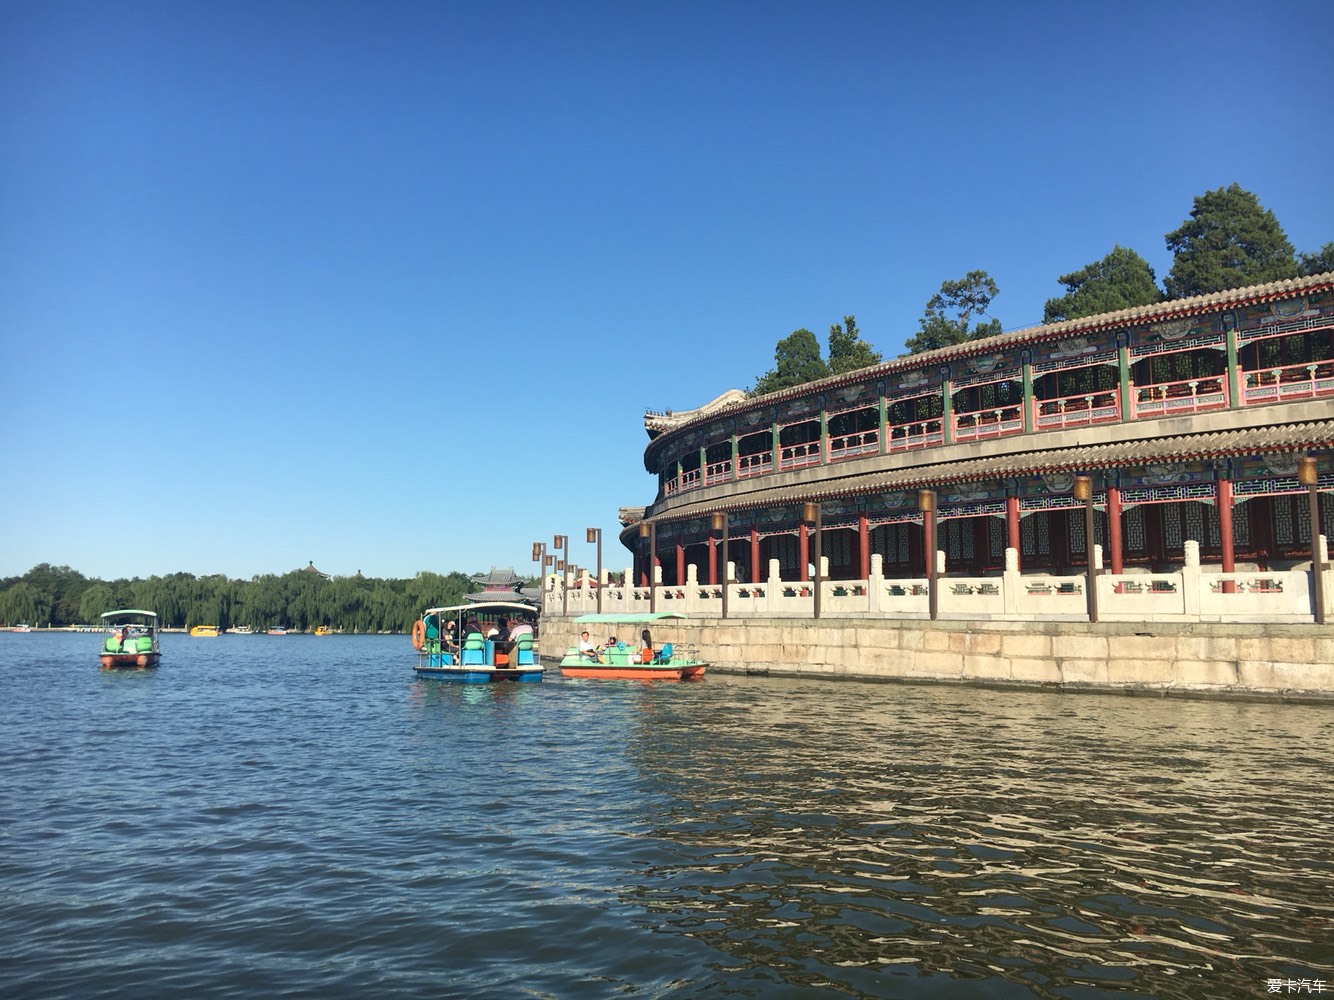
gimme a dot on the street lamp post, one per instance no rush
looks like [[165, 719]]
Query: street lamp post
[[540, 557], [562, 543], [812, 512], [1308, 474], [595, 535], [1083, 492], [926, 503], [649, 530], [720, 523]]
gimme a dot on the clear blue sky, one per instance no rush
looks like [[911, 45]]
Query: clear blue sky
[[389, 286]]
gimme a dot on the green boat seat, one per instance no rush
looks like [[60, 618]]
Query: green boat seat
[[523, 648], [474, 651], [144, 644], [112, 645]]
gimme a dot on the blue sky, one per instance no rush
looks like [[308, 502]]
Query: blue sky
[[389, 286]]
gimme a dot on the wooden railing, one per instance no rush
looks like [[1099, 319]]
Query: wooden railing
[[1287, 383], [915, 434], [1170, 399], [1077, 411], [798, 456], [1001, 421], [851, 445], [759, 464]]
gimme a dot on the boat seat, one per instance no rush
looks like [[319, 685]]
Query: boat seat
[[112, 645], [666, 655], [474, 651], [144, 644], [432, 632], [523, 650]]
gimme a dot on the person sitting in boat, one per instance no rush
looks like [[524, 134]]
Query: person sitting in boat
[[450, 641], [587, 650], [502, 630], [523, 628], [645, 647]]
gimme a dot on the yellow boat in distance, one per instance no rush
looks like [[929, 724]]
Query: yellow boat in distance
[[206, 631], [325, 630]]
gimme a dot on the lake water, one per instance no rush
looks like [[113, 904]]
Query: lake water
[[302, 817]]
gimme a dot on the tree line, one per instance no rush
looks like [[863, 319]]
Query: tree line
[[60, 596], [1229, 241]]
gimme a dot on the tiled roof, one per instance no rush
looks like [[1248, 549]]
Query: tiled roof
[[1157, 312], [1313, 435]]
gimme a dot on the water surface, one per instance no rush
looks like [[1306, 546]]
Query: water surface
[[301, 817]]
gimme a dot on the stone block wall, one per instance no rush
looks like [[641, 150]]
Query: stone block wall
[[1198, 659]]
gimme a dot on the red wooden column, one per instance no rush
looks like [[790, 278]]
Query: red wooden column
[[713, 561], [1224, 500], [864, 537], [755, 556], [1115, 558], [680, 565], [803, 550], [1012, 524]]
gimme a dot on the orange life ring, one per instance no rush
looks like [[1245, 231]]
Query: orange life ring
[[418, 634]]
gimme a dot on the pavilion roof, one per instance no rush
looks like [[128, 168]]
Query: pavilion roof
[[662, 426]]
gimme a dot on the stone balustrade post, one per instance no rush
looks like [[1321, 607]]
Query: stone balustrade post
[[773, 589], [875, 586], [692, 588], [1190, 579], [1012, 582]]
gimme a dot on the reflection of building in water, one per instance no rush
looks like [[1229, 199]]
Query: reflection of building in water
[[1189, 417], [863, 837]]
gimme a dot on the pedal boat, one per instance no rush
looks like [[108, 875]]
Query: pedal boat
[[624, 661], [140, 649], [477, 660]]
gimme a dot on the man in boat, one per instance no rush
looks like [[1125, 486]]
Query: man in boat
[[587, 649]]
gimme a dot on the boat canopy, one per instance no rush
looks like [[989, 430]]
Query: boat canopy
[[129, 611], [483, 606], [628, 617]]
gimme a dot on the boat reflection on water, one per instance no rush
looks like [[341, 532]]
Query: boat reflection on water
[[893, 841]]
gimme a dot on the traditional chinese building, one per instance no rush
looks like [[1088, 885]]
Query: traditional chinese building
[[1189, 417], [503, 585]]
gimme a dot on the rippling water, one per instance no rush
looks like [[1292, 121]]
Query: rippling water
[[301, 817]]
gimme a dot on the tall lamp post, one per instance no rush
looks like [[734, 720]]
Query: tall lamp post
[[649, 530], [595, 535], [562, 544], [720, 524], [811, 512], [926, 503], [1083, 492], [540, 557], [1308, 474]]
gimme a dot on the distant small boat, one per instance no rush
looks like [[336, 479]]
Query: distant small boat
[[132, 644], [243, 630], [620, 662], [276, 630], [21, 628], [325, 630], [205, 631]]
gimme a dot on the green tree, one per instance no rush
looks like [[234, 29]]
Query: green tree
[[1121, 280], [1230, 240], [24, 604], [97, 598], [949, 314], [796, 361], [847, 350], [1320, 262]]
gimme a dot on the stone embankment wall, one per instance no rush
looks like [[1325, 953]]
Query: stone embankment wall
[[1194, 659]]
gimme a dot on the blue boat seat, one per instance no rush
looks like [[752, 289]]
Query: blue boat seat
[[524, 652], [666, 655], [474, 651]]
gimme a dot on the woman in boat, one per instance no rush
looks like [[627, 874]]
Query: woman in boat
[[645, 647]]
